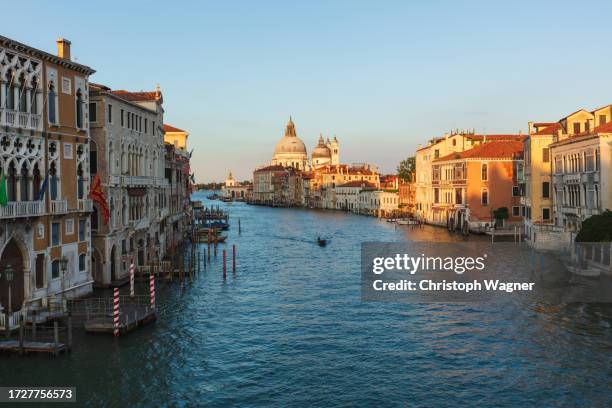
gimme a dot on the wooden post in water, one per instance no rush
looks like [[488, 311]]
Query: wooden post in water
[[55, 337], [21, 336], [199, 260], [69, 331], [239, 228], [224, 266], [34, 329], [234, 258]]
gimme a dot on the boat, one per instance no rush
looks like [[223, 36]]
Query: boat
[[321, 242], [217, 224], [403, 222]]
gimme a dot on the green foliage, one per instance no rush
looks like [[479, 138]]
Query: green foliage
[[406, 168], [597, 228], [501, 213]]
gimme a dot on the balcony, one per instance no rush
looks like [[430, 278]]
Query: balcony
[[23, 120], [59, 206], [85, 205], [22, 209], [137, 181], [114, 180]]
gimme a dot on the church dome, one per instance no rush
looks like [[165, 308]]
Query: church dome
[[290, 143], [321, 151]]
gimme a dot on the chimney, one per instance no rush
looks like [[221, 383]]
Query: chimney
[[63, 48], [532, 128]]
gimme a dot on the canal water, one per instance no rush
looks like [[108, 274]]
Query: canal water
[[290, 329]]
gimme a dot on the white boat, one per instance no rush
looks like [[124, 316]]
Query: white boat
[[586, 272]]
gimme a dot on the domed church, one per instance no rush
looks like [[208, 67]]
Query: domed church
[[290, 151]]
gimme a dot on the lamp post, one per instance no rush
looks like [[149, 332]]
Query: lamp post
[[63, 264], [8, 275]]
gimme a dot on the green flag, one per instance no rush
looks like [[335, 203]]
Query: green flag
[[3, 196]]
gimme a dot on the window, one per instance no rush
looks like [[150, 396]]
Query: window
[[546, 189], [484, 174], [484, 197], [55, 234], [516, 191], [122, 118], [146, 126], [576, 127], [66, 86], [40, 231], [436, 154], [55, 269], [110, 113], [52, 104], [79, 110], [558, 164], [602, 120], [69, 224], [546, 155], [82, 259], [546, 213], [590, 160], [67, 150], [93, 114], [40, 271], [516, 211], [82, 229]]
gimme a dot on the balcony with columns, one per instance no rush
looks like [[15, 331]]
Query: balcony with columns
[[85, 205], [18, 209], [59, 207]]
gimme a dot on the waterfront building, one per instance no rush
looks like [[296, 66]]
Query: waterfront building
[[469, 186], [234, 190], [407, 196], [325, 179], [582, 170], [45, 160], [378, 203], [348, 195], [175, 226], [454, 142], [278, 185], [128, 146]]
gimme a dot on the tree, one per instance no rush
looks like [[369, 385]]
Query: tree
[[597, 228], [500, 215], [406, 168]]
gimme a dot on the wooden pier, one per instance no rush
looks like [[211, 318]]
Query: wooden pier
[[96, 314]]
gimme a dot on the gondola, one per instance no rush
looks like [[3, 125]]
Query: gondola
[[321, 242]]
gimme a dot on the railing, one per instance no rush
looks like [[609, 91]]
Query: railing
[[59, 206], [85, 205], [114, 180], [22, 209], [138, 180], [23, 120], [13, 320]]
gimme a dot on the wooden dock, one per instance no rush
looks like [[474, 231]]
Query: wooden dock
[[32, 347], [129, 320]]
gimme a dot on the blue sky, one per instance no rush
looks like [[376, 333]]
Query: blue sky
[[382, 76]]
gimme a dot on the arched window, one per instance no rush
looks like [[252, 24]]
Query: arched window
[[11, 182], [34, 96], [80, 182], [94, 218], [24, 183], [35, 182], [82, 259], [51, 103], [53, 182], [23, 104], [79, 110], [484, 174], [10, 93]]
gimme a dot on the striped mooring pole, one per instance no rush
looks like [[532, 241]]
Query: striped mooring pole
[[132, 270], [152, 291], [116, 312]]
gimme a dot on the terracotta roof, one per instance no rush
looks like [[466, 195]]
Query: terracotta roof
[[358, 183], [274, 167], [489, 150], [170, 128], [605, 128], [549, 130], [495, 137], [136, 96]]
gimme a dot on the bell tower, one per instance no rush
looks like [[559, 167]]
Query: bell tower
[[334, 148]]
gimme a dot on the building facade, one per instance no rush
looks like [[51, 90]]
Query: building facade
[[128, 146], [44, 157]]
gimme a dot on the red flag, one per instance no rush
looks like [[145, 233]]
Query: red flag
[[97, 195]]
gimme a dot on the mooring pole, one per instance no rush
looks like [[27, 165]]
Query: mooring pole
[[234, 258], [239, 228], [69, 330], [224, 265]]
